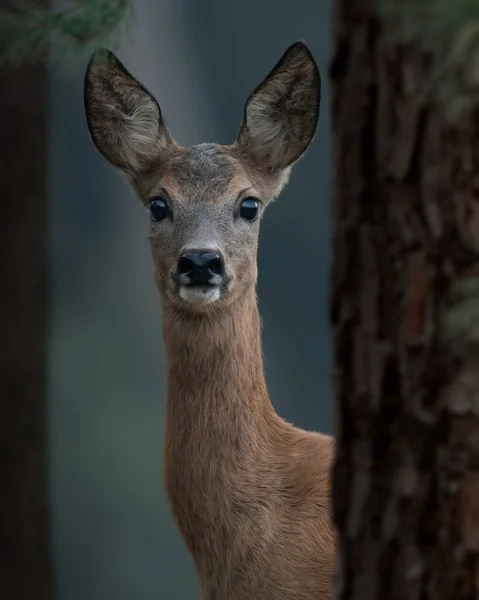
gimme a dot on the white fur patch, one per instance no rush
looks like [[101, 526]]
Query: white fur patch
[[205, 294]]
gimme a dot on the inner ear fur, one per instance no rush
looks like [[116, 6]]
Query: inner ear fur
[[124, 119], [282, 113]]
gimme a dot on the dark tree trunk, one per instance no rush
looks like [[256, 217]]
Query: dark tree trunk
[[405, 274], [24, 542]]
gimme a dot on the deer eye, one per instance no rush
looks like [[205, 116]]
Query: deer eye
[[249, 209], [158, 209]]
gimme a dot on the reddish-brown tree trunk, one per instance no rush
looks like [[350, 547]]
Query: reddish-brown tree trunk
[[24, 542], [406, 233]]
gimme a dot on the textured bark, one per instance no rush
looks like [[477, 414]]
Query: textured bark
[[406, 232], [24, 547]]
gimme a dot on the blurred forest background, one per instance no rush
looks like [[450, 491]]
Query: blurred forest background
[[83, 513], [111, 532]]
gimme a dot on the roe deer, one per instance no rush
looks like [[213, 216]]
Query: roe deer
[[249, 492]]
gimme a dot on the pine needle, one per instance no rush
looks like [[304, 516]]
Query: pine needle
[[30, 33]]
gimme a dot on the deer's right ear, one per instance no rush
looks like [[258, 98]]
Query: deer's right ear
[[124, 119]]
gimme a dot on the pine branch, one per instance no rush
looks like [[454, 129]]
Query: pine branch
[[29, 33]]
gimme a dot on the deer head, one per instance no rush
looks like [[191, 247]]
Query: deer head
[[205, 202]]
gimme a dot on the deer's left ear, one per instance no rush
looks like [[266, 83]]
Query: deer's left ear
[[281, 115]]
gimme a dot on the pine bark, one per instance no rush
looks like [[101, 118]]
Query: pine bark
[[405, 238], [24, 543]]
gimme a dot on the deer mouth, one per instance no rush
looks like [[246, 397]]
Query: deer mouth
[[200, 287], [200, 293]]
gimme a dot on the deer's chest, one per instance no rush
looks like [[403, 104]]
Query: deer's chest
[[217, 505]]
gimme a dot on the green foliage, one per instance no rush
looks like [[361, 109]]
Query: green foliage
[[447, 30], [461, 319], [30, 33], [459, 328], [430, 23]]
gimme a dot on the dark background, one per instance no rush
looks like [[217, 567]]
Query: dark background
[[112, 534]]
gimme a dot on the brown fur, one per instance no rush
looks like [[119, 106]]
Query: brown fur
[[250, 493]]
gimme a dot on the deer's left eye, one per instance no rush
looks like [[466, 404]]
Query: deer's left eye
[[158, 209], [249, 209]]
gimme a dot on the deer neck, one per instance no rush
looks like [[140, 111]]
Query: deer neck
[[220, 427], [216, 387], [219, 419]]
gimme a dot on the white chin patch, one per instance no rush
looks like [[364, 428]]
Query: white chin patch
[[204, 294]]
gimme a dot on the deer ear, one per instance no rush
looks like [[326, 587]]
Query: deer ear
[[124, 119], [281, 114]]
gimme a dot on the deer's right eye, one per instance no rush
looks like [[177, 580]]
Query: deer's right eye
[[158, 209]]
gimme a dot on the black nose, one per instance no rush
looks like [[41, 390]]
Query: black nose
[[201, 265]]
